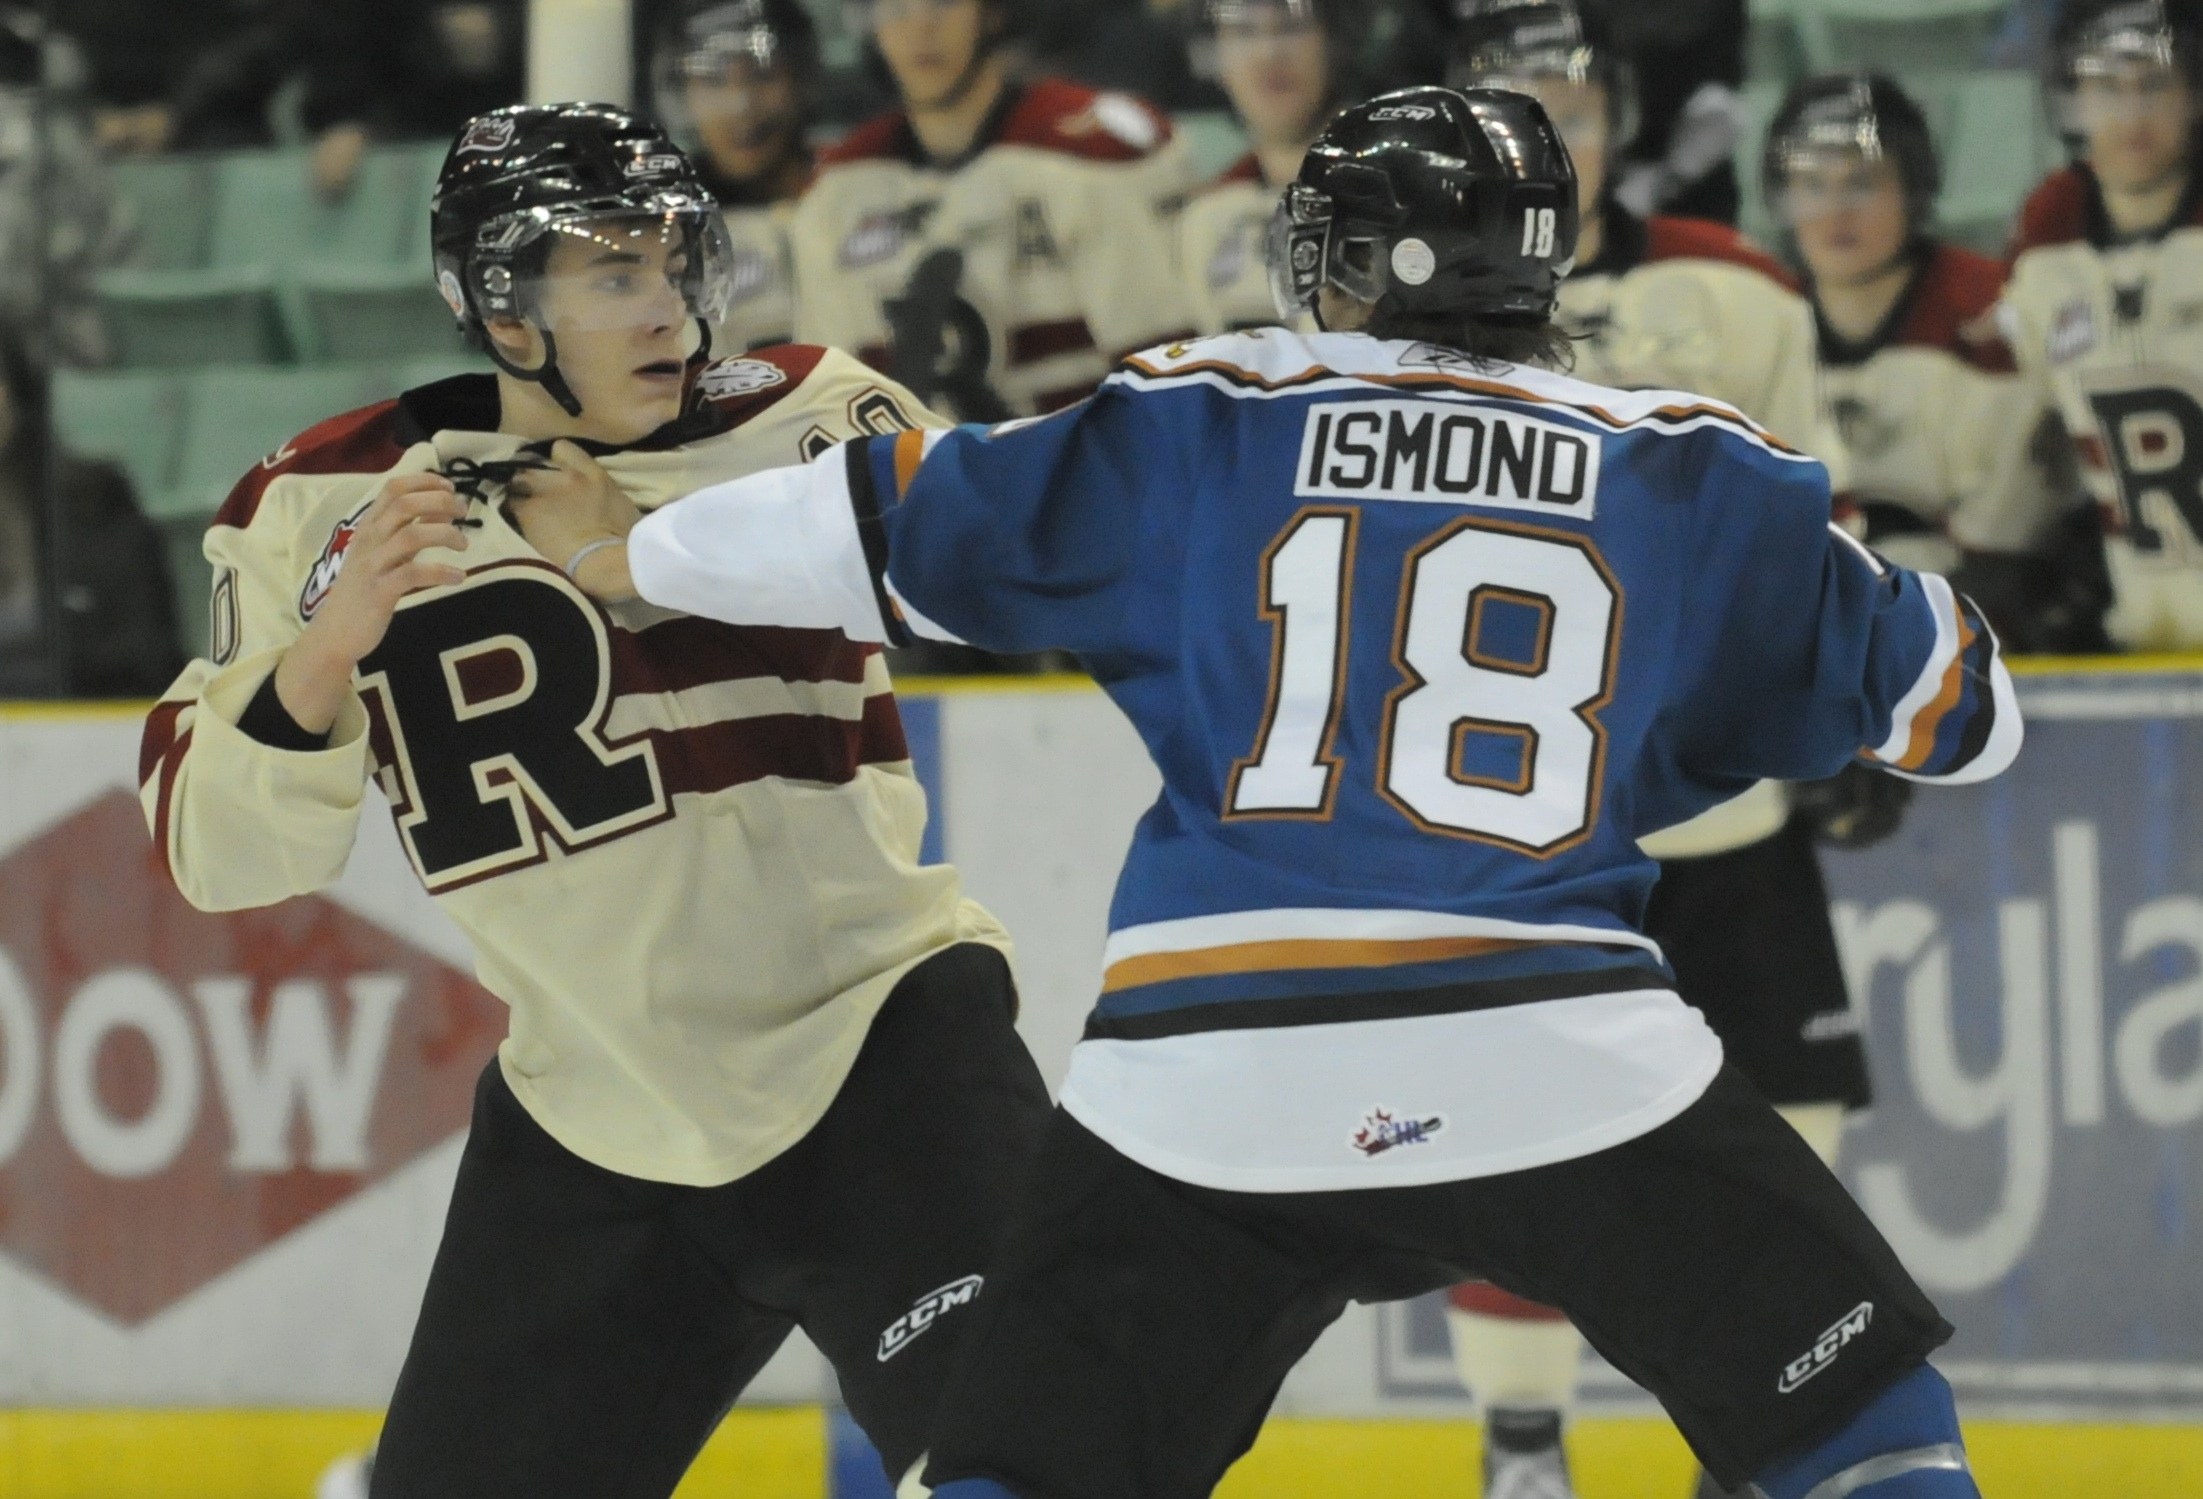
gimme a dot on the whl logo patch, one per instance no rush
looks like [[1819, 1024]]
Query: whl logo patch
[[1825, 1348], [323, 576], [1382, 1131], [930, 1309]]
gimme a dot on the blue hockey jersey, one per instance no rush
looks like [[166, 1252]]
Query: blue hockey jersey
[[1421, 646]]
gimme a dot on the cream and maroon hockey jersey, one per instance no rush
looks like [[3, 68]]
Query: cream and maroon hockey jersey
[[1222, 241], [1046, 255], [762, 311], [1684, 304], [1942, 433], [686, 853], [2112, 333]]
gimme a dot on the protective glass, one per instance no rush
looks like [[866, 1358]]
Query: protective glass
[[2114, 89], [864, 15], [623, 269], [1819, 181], [1243, 22]]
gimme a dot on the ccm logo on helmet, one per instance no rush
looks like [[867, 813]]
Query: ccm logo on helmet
[[929, 1310], [1404, 112], [1823, 1352], [1447, 454]]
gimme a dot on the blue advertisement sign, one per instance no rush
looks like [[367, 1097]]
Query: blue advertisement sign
[[2027, 960]]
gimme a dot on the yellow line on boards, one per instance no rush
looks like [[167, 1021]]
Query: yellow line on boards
[[782, 1454], [246, 1454]]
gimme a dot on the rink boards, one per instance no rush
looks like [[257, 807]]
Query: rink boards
[[224, 1163]]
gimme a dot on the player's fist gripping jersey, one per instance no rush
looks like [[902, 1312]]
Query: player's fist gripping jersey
[[1942, 433], [539, 750], [1026, 269], [2113, 334]]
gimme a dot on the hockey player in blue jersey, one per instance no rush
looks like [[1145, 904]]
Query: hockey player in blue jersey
[[1422, 640]]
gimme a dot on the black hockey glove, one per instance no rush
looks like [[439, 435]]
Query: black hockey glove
[[1857, 807]]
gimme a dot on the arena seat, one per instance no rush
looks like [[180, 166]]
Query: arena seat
[[1996, 146], [131, 418], [234, 418], [191, 317], [169, 200], [1897, 36], [1774, 47], [369, 312]]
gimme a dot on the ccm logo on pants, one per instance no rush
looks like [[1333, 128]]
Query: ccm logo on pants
[[1823, 1352], [929, 1309]]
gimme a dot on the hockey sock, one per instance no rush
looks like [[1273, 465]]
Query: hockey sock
[[1512, 1354], [974, 1488], [1904, 1445]]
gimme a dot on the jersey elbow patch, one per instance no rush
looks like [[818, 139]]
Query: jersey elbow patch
[[1960, 722]]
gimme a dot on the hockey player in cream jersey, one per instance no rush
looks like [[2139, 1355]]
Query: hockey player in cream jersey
[[761, 1070], [994, 244], [2105, 306], [1741, 910], [1285, 65], [1669, 303], [1953, 458], [731, 78]]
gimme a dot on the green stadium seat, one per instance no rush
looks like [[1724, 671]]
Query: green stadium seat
[[383, 312], [1993, 154], [1760, 98], [1213, 141], [414, 373], [1897, 36], [1774, 47], [170, 199], [234, 418], [266, 212], [131, 418], [191, 317]]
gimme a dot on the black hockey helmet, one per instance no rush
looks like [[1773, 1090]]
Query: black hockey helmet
[[1431, 201], [2096, 37], [713, 41], [1855, 114], [518, 177], [1506, 43]]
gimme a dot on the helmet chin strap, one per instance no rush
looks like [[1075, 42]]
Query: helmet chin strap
[[547, 373]]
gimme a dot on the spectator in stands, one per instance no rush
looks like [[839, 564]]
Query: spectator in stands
[[406, 70], [1286, 66], [197, 75], [60, 220], [1952, 463], [86, 609], [731, 80]]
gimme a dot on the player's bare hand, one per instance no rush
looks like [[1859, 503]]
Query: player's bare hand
[[563, 507], [384, 561]]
